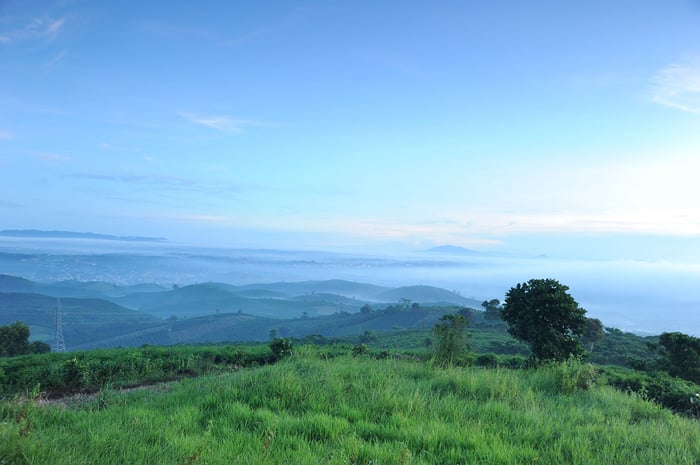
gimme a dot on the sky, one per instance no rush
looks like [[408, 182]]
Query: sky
[[570, 128]]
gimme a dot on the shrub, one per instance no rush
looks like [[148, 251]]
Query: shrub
[[359, 350], [281, 347], [574, 375], [487, 360]]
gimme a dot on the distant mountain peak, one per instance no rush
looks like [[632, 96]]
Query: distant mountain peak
[[452, 249], [36, 233]]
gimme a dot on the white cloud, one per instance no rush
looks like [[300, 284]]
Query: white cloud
[[52, 28], [222, 123], [5, 134], [678, 85], [45, 28]]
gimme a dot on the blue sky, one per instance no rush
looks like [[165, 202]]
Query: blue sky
[[540, 126]]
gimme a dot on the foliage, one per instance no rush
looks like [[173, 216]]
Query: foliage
[[492, 309], [39, 347], [14, 339], [66, 373], [368, 336], [281, 347], [592, 332], [542, 313], [309, 410], [682, 355], [678, 395], [360, 349], [574, 375], [451, 342], [625, 349]]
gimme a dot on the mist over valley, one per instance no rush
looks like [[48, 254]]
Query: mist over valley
[[645, 297]]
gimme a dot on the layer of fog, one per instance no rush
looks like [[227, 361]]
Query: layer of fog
[[639, 296]]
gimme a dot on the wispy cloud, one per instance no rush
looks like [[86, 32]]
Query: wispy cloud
[[5, 134], [159, 27], [44, 28], [140, 179], [202, 218], [56, 60], [163, 182], [223, 123], [245, 38], [678, 85], [51, 157]]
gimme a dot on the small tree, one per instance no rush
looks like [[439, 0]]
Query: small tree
[[281, 347], [492, 309], [592, 332], [368, 336], [39, 347], [682, 355], [451, 341], [542, 313], [14, 339], [366, 309]]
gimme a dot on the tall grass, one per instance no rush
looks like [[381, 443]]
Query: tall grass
[[311, 410]]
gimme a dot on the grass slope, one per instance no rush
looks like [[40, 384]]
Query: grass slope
[[307, 410]]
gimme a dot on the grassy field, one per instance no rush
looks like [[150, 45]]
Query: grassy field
[[310, 409]]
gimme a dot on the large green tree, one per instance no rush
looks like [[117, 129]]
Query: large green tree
[[541, 313]]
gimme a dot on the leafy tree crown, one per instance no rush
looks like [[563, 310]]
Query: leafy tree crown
[[542, 313]]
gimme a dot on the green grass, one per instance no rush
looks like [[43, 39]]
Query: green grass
[[309, 409]]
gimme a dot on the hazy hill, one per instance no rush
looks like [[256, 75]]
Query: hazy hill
[[75, 235], [426, 294], [73, 288], [98, 314], [80, 316], [245, 327], [452, 250], [332, 286], [15, 284]]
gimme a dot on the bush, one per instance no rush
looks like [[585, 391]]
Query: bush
[[281, 347], [487, 360], [678, 395], [359, 350], [574, 375]]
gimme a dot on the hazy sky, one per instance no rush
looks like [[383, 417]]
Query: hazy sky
[[323, 124]]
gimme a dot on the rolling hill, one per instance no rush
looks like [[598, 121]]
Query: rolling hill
[[98, 314]]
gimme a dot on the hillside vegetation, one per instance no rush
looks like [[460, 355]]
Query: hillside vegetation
[[310, 409], [98, 314]]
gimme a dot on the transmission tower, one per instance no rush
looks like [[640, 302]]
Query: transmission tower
[[59, 344]]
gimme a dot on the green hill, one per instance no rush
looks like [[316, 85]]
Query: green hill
[[310, 409], [81, 317]]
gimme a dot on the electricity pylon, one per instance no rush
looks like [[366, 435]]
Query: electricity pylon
[[59, 344]]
